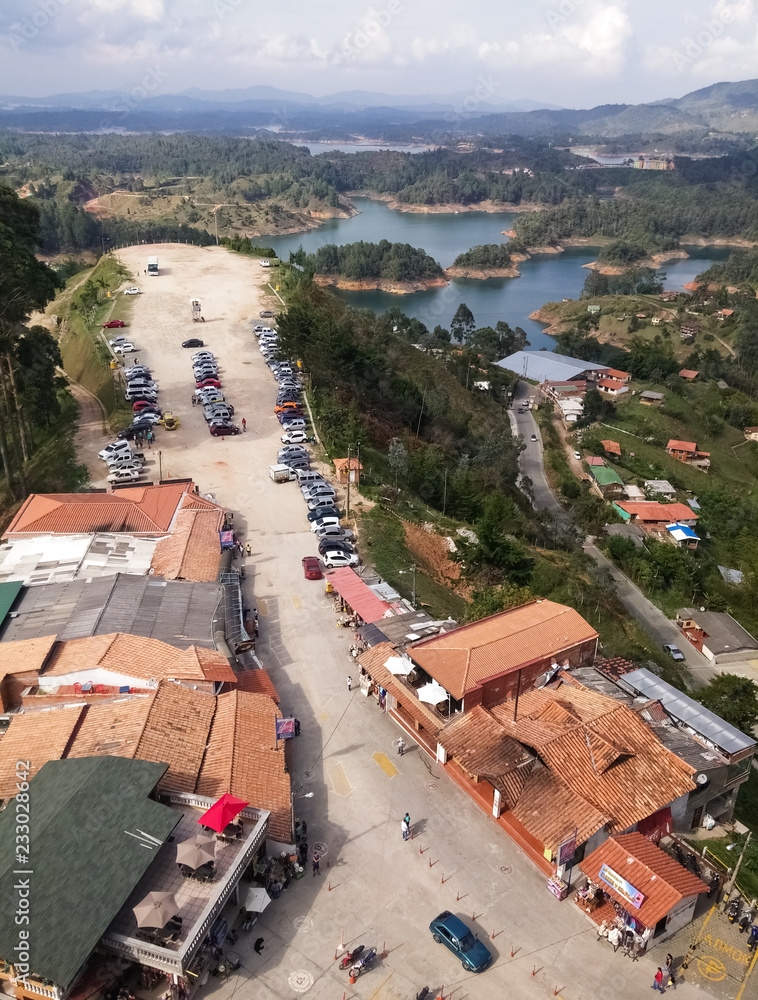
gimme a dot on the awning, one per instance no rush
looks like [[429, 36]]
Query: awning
[[354, 592]]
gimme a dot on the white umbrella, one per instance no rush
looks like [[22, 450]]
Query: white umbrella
[[399, 665], [156, 909], [256, 899], [432, 693]]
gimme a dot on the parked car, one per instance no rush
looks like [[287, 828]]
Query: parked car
[[533, 437], [286, 418], [222, 429], [125, 475], [141, 406], [114, 324], [223, 413], [449, 930], [147, 417], [134, 370], [294, 437], [141, 394], [334, 559], [577, 456], [131, 432], [202, 355], [132, 291], [320, 503], [321, 512], [311, 568], [206, 383], [114, 449], [323, 520], [335, 532], [327, 544], [313, 481], [125, 348], [127, 465], [208, 368], [327, 494], [674, 651], [296, 463], [192, 342], [283, 407]]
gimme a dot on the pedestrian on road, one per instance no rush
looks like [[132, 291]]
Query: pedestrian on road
[[258, 946], [671, 981], [297, 727], [244, 425], [316, 859], [407, 819], [349, 683], [658, 981], [248, 550], [400, 747], [194, 399], [404, 828]]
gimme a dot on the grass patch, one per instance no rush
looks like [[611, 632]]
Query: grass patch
[[383, 546], [747, 879], [747, 803]]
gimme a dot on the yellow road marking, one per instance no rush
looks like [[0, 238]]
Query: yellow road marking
[[296, 603], [385, 763], [262, 608], [339, 780], [747, 976]]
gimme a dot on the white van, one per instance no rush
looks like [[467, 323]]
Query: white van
[[308, 476]]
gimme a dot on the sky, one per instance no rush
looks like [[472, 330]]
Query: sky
[[572, 53]]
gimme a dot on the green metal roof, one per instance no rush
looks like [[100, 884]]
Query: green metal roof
[[604, 476], [93, 834], [8, 594]]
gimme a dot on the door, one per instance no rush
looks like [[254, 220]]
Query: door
[[697, 817]]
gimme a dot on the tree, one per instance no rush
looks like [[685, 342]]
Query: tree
[[493, 600], [734, 699], [397, 455], [463, 325]]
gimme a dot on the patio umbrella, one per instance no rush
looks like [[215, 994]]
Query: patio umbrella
[[196, 851], [432, 693], [156, 909], [399, 665], [256, 899], [221, 813]]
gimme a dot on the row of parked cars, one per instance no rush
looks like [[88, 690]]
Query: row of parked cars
[[217, 411], [334, 542], [125, 465]]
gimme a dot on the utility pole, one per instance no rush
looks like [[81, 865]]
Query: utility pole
[[347, 512], [444, 495], [215, 220], [413, 595]]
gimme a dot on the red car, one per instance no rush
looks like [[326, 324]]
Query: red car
[[114, 324], [311, 568], [208, 383], [222, 429]]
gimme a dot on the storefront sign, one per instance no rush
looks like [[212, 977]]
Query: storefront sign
[[621, 886], [566, 851]]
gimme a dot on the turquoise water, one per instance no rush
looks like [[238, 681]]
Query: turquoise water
[[444, 236]]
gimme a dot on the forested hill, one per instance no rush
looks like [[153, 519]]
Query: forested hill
[[486, 255], [368, 261]]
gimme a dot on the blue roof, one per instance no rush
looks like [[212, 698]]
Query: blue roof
[[683, 531], [546, 366]]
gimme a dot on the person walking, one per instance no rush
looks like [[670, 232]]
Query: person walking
[[400, 746], [244, 425], [258, 946], [407, 819], [248, 550], [404, 828], [671, 980], [349, 683], [658, 981], [316, 860]]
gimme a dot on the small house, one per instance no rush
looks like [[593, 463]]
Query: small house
[[348, 470], [688, 374], [648, 398], [570, 410], [656, 320], [619, 376], [606, 482], [611, 386], [751, 433], [594, 460], [687, 452], [682, 535], [717, 635], [688, 332], [725, 313], [632, 492], [593, 310], [611, 447], [660, 487]]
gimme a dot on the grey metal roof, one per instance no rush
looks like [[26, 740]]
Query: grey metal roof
[[686, 746], [725, 634], [682, 708], [547, 366], [60, 558], [177, 612]]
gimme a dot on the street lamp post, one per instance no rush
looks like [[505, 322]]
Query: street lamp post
[[293, 796]]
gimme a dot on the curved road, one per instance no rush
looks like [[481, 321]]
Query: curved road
[[656, 624]]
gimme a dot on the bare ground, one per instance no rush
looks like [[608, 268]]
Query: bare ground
[[431, 549]]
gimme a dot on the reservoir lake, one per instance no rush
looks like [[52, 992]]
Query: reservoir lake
[[547, 278]]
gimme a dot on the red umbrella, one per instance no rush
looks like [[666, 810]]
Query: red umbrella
[[221, 813]]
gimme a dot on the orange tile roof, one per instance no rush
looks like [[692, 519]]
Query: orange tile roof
[[611, 383], [373, 660], [612, 447], [257, 682], [601, 749], [340, 464], [476, 741], [243, 757], [463, 659], [25, 655], [113, 729], [192, 550], [681, 445], [176, 732], [651, 510], [615, 373], [135, 656], [35, 737], [137, 510], [661, 879], [688, 373], [551, 810]]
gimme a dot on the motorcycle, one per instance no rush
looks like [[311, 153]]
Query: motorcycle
[[733, 909], [348, 957], [692, 864], [752, 941], [746, 919], [423, 994], [364, 963]]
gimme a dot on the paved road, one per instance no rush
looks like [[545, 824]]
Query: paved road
[[652, 619], [374, 888]]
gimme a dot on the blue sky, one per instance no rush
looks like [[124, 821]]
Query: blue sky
[[575, 53]]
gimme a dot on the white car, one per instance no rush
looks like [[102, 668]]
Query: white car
[[265, 263], [132, 291], [577, 456], [335, 558], [147, 418], [113, 449], [125, 475], [125, 348], [294, 437], [323, 522], [130, 466], [118, 340]]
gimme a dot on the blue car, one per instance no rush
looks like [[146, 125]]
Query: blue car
[[452, 932]]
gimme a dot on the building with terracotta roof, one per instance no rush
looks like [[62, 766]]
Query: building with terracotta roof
[[593, 460], [687, 451], [649, 886], [611, 386], [348, 470], [654, 516], [611, 447], [688, 374], [211, 745], [620, 376], [751, 433]]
